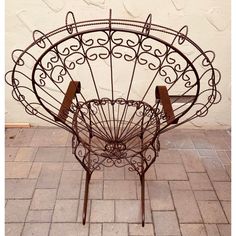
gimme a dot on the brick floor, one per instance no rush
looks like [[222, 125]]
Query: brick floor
[[166, 223], [65, 211], [36, 229], [193, 230], [186, 207], [188, 188]]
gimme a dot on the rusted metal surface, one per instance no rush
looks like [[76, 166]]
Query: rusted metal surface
[[114, 130], [73, 88], [163, 96]]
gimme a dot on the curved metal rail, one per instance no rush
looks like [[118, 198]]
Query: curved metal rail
[[57, 78]]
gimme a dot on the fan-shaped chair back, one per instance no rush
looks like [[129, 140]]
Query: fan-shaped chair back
[[114, 59]]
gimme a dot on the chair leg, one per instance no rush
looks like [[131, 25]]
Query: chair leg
[[142, 179], [86, 192]]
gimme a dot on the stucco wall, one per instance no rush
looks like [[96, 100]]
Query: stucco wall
[[208, 21]]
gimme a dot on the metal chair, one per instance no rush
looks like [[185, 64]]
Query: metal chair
[[116, 85]]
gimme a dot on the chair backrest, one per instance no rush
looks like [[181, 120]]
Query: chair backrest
[[114, 58]]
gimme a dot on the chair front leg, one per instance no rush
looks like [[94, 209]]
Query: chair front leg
[[86, 192], [142, 180]]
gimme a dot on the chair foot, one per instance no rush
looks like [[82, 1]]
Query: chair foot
[[143, 199], [88, 177]]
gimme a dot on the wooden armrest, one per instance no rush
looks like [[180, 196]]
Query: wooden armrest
[[73, 88], [163, 96]]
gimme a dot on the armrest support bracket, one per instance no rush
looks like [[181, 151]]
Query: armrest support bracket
[[73, 88], [163, 96]]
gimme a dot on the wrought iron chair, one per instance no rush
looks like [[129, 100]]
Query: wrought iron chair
[[116, 85]]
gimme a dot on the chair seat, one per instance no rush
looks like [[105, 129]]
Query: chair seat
[[116, 129]]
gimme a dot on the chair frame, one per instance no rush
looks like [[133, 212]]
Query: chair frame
[[75, 112]]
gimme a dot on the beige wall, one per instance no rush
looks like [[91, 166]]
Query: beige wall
[[208, 21]]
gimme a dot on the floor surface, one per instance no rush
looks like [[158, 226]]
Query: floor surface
[[188, 188]]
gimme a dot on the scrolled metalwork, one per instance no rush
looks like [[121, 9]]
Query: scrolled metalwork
[[114, 116]]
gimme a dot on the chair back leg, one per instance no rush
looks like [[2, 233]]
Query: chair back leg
[[142, 179], [86, 192]]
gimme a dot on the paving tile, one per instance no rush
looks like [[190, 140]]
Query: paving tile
[[210, 153], [227, 209], [192, 162], [228, 169], [160, 196], [225, 230], [70, 229], [9, 132], [10, 153], [69, 156], [16, 210], [114, 173], [227, 140], [183, 142], [119, 189], [180, 185], [223, 190], [219, 143], [212, 230], [10, 135], [98, 175], [130, 211], [168, 157], [115, 229], [23, 137], [26, 154], [170, 172], [17, 169], [212, 212], [50, 154], [138, 230], [215, 170], [49, 137], [35, 170], [167, 141], [42, 216], [36, 229], [43, 199], [80, 212], [69, 140], [225, 160], [151, 173], [95, 230], [193, 230], [205, 195], [228, 154], [73, 166], [216, 132], [102, 211], [131, 175], [69, 185], [50, 175], [199, 181], [186, 206], [95, 189], [13, 229], [200, 142], [65, 211], [165, 223], [19, 188]]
